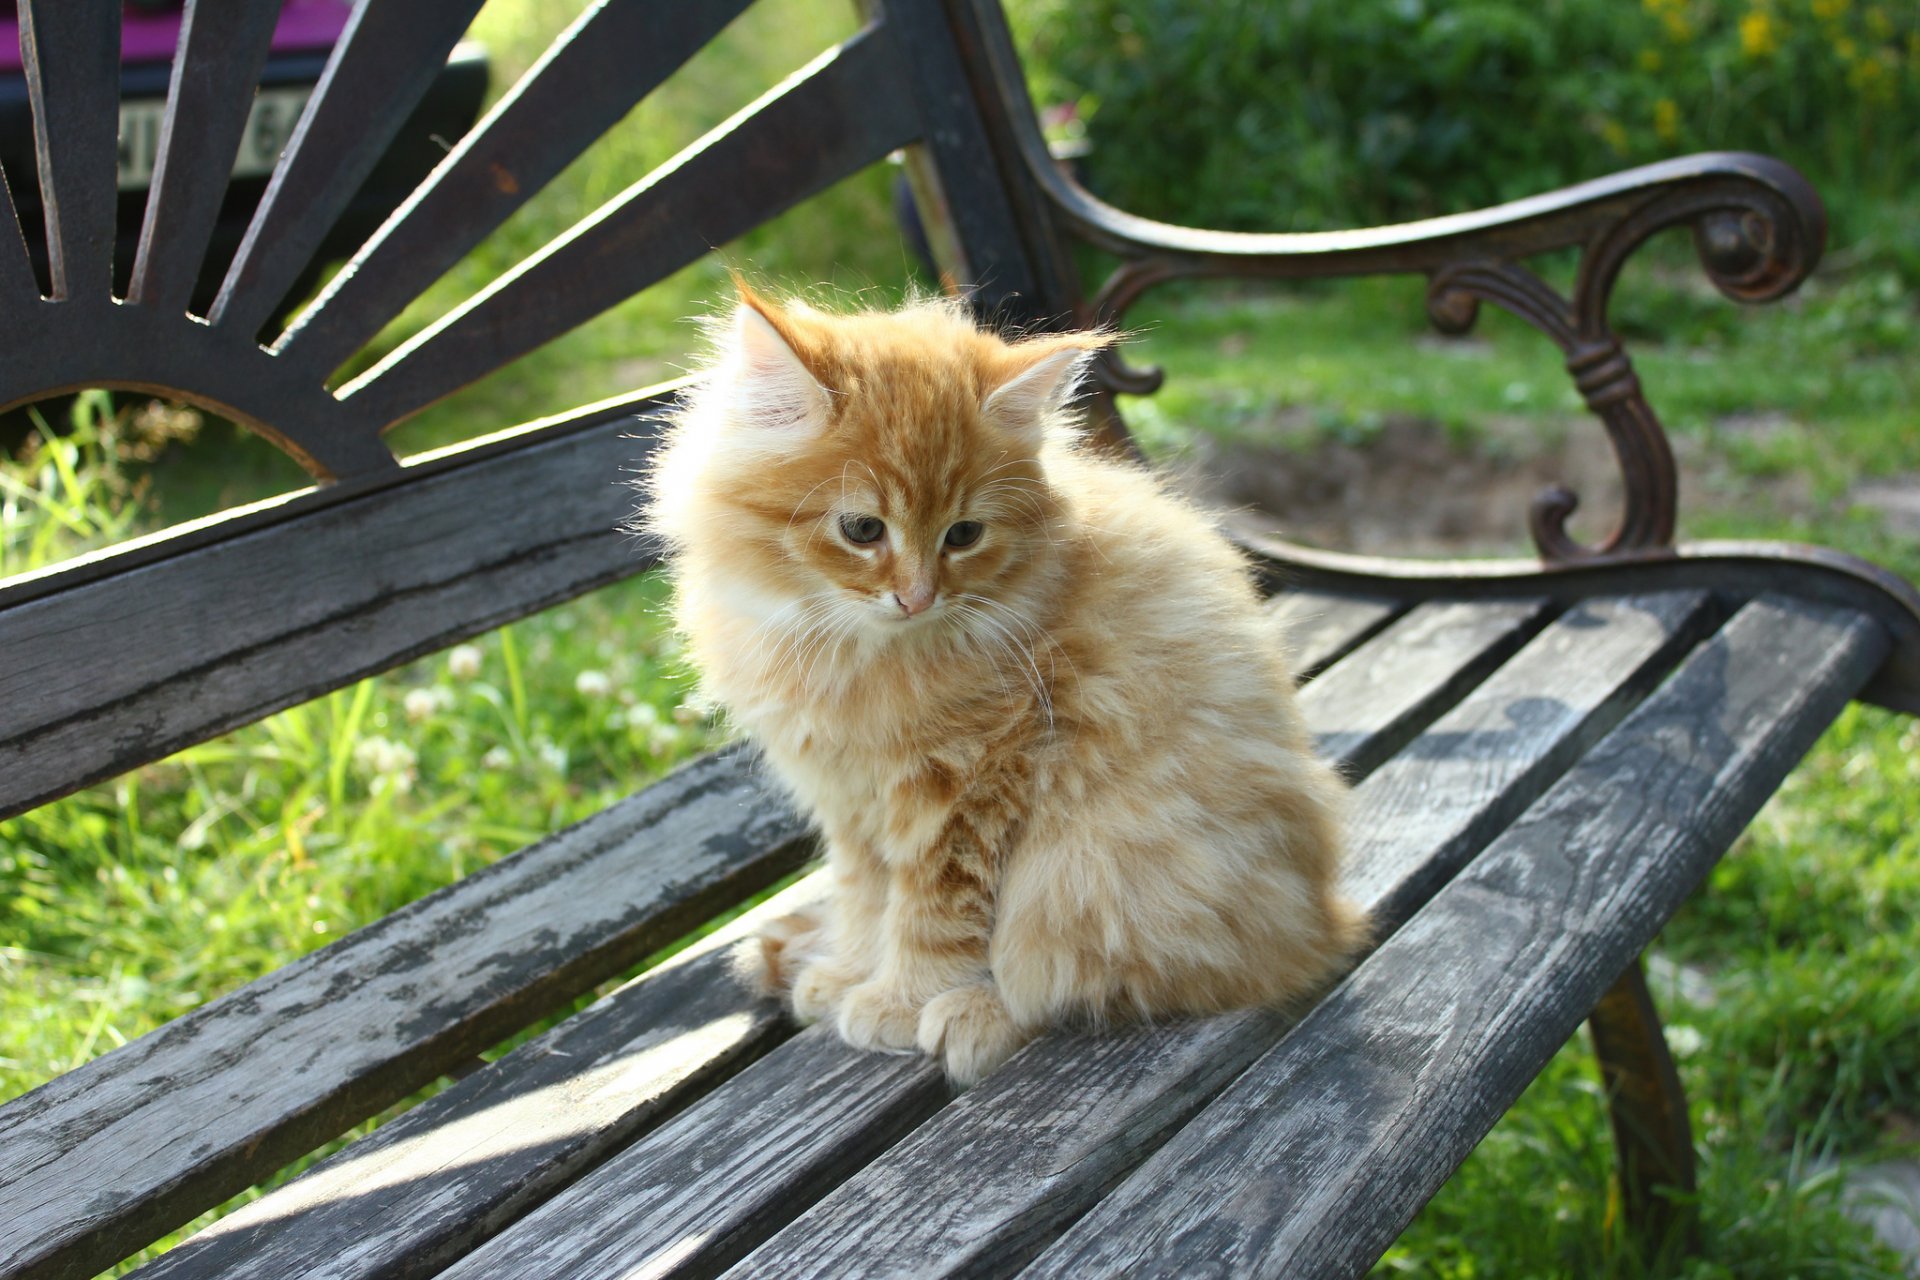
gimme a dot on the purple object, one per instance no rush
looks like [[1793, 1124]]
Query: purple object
[[152, 37]]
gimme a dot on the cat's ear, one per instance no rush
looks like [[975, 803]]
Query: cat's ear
[[772, 388], [1045, 385]]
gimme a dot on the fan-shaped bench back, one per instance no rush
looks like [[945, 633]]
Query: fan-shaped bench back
[[120, 659]]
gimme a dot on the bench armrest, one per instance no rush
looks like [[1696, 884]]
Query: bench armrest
[[1757, 224]]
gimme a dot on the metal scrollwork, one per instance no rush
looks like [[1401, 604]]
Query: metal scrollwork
[[1754, 248], [1606, 381]]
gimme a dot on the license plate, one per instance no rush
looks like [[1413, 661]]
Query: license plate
[[269, 126]]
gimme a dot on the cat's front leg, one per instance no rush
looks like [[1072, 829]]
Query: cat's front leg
[[969, 1029], [846, 947], [939, 923]]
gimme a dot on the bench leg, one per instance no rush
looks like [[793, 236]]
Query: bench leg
[[1651, 1136]]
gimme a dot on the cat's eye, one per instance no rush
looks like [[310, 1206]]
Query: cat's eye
[[863, 529], [965, 533]]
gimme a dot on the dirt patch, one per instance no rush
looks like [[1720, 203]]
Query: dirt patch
[[1410, 488], [1896, 500]]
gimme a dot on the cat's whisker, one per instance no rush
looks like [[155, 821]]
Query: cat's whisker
[[969, 611], [1034, 634], [1023, 657]]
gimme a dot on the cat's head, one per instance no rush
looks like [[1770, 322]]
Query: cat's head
[[884, 470]]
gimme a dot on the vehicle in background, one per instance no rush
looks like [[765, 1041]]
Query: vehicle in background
[[302, 41]]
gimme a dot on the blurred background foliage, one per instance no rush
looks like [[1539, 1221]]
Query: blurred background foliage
[[1312, 114]]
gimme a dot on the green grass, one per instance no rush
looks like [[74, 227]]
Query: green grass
[[132, 902]]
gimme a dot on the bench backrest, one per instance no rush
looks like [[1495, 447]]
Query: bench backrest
[[119, 659]]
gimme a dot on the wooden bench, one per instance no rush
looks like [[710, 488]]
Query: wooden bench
[[1550, 755]]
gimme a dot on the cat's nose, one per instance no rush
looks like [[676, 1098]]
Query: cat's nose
[[914, 600]]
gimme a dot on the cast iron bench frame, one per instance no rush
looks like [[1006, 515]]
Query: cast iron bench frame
[[1553, 752]]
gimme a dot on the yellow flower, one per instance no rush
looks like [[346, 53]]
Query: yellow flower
[[1666, 120], [1679, 29], [1871, 79], [1827, 10], [1614, 136], [1649, 59], [1759, 35], [1846, 48], [1879, 26]]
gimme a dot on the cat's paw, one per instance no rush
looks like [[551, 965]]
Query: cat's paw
[[970, 1030], [774, 958], [877, 1015], [818, 989]]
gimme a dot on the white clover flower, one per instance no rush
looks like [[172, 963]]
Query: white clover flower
[[391, 764], [552, 755], [643, 715], [593, 684], [463, 661], [384, 757], [497, 758], [1684, 1041], [419, 704]]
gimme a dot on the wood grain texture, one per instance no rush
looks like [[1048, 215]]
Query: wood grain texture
[[623, 48], [223, 45], [225, 633], [70, 53], [1320, 628], [1376, 698], [846, 110], [1473, 771], [737, 1202], [109, 1156], [380, 69], [1315, 1159], [991, 1180], [698, 1192], [432, 1185]]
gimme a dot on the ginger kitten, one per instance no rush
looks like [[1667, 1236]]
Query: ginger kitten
[[1029, 697]]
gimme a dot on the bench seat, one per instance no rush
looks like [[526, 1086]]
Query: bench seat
[[1540, 784]]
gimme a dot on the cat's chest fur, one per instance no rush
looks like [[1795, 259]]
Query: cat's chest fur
[[882, 765]]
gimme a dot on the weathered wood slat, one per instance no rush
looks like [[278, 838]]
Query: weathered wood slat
[[990, 1181], [598, 1224], [1325, 1148], [223, 45], [107, 1157], [70, 51], [1460, 783], [1320, 628], [426, 1188], [381, 67], [844, 111], [623, 48], [234, 630], [697, 1193], [1385, 691]]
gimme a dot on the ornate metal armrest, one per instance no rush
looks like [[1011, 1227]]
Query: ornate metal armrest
[[1757, 224]]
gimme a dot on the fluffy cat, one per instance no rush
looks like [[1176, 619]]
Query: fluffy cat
[[1028, 696]]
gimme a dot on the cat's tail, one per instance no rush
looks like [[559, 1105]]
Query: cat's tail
[[1350, 929]]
